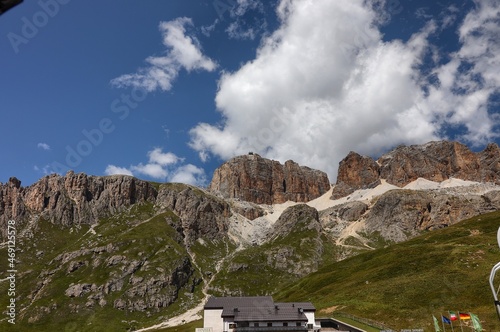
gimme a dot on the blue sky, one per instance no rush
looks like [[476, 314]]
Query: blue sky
[[168, 90]]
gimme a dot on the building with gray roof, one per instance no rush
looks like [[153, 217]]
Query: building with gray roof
[[257, 314]]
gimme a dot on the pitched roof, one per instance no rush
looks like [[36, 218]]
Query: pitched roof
[[268, 314], [259, 308], [307, 306], [237, 302]]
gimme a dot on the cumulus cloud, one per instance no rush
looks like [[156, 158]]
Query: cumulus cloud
[[471, 77], [184, 52], [158, 157], [326, 82], [43, 146], [189, 174], [114, 170], [164, 166], [155, 171]]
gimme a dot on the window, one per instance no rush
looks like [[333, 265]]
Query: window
[[285, 324], [232, 326], [309, 326], [298, 324], [269, 324], [256, 324]]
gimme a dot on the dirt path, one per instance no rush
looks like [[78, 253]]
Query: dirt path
[[196, 312]]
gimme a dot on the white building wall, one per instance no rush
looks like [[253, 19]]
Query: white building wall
[[311, 319], [212, 318], [227, 322]]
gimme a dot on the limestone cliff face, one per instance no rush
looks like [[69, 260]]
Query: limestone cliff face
[[80, 199], [401, 214], [356, 171], [135, 257], [307, 256], [201, 215], [11, 204], [71, 199], [435, 161], [255, 179]]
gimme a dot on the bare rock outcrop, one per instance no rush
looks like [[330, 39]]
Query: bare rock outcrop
[[201, 214], [299, 217], [248, 210], [489, 159], [71, 199], [255, 179], [434, 161], [295, 247], [401, 214], [11, 205], [304, 258], [76, 199], [356, 172], [350, 211]]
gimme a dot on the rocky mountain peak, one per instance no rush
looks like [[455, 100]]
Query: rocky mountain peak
[[434, 161], [356, 171], [80, 199], [14, 182], [71, 199], [263, 181]]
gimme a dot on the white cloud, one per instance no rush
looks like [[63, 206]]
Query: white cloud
[[43, 146], [164, 166], [246, 19], [326, 83], [236, 31], [184, 52], [156, 156], [46, 170], [471, 77], [155, 171], [243, 6], [208, 29], [246, 26], [189, 174], [114, 170]]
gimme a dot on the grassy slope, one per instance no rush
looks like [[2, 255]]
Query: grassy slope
[[134, 234], [403, 285], [257, 276], [189, 327]]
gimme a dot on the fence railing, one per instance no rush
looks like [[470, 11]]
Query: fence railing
[[365, 321]]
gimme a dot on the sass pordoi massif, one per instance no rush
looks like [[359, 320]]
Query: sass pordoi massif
[[393, 242]]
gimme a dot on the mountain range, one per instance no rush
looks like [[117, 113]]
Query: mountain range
[[118, 253]]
